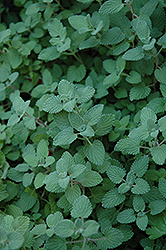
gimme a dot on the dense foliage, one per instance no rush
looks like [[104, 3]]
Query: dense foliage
[[83, 124]]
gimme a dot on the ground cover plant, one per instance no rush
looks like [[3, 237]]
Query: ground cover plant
[[83, 124]]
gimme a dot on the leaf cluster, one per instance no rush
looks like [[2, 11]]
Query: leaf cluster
[[83, 125]]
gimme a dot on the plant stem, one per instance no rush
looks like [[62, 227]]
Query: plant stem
[[157, 63], [76, 108], [162, 142], [156, 57], [76, 57], [74, 241], [88, 140], [98, 2], [159, 51], [85, 239], [130, 5], [38, 121], [144, 147], [96, 239]]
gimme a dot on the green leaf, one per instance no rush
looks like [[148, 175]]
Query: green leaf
[[26, 201], [89, 43], [81, 207], [113, 238], [20, 106], [139, 133], [64, 163], [140, 165], [49, 54], [13, 77], [142, 221], [2, 92], [141, 186], [30, 122], [147, 114], [120, 64], [126, 216], [76, 73], [4, 34], [84, 1], [133, 54], [95, 152], [157, 104], [123, 188], [52, 104], [64, 228], [47, 77], [130, 178], [149, 7], [159, 154], [112, 199], [32, 9], [76, 170], [38, 182], [91, 179], [111, 79], [112, 36], [160, 74], [162, 123], [53, 219], [69, 106], [157, 206], [142, 30], [150, 45], [85, 94], [30, 156], [15, 240], [66, 90], [127, 231], [62, 120], [42, 149], [3, 192], [116, 174], [104, 126], [111, 7], [55, 243], [39, 229], [49, 160], [162, 187], [65, 137], [90, 227], [5, 73], [155, 232], [140, 91], [37, 92], [162, 41], [128, 146], [14, 58], [14, 211], [52, 183], [138, 203], [64, 204], [13, 120], [93, 115], [54, 27], [109, 65], [120, 48], [87, 131], [27, 179], [72, 193], [63, 183], [80, 23]]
